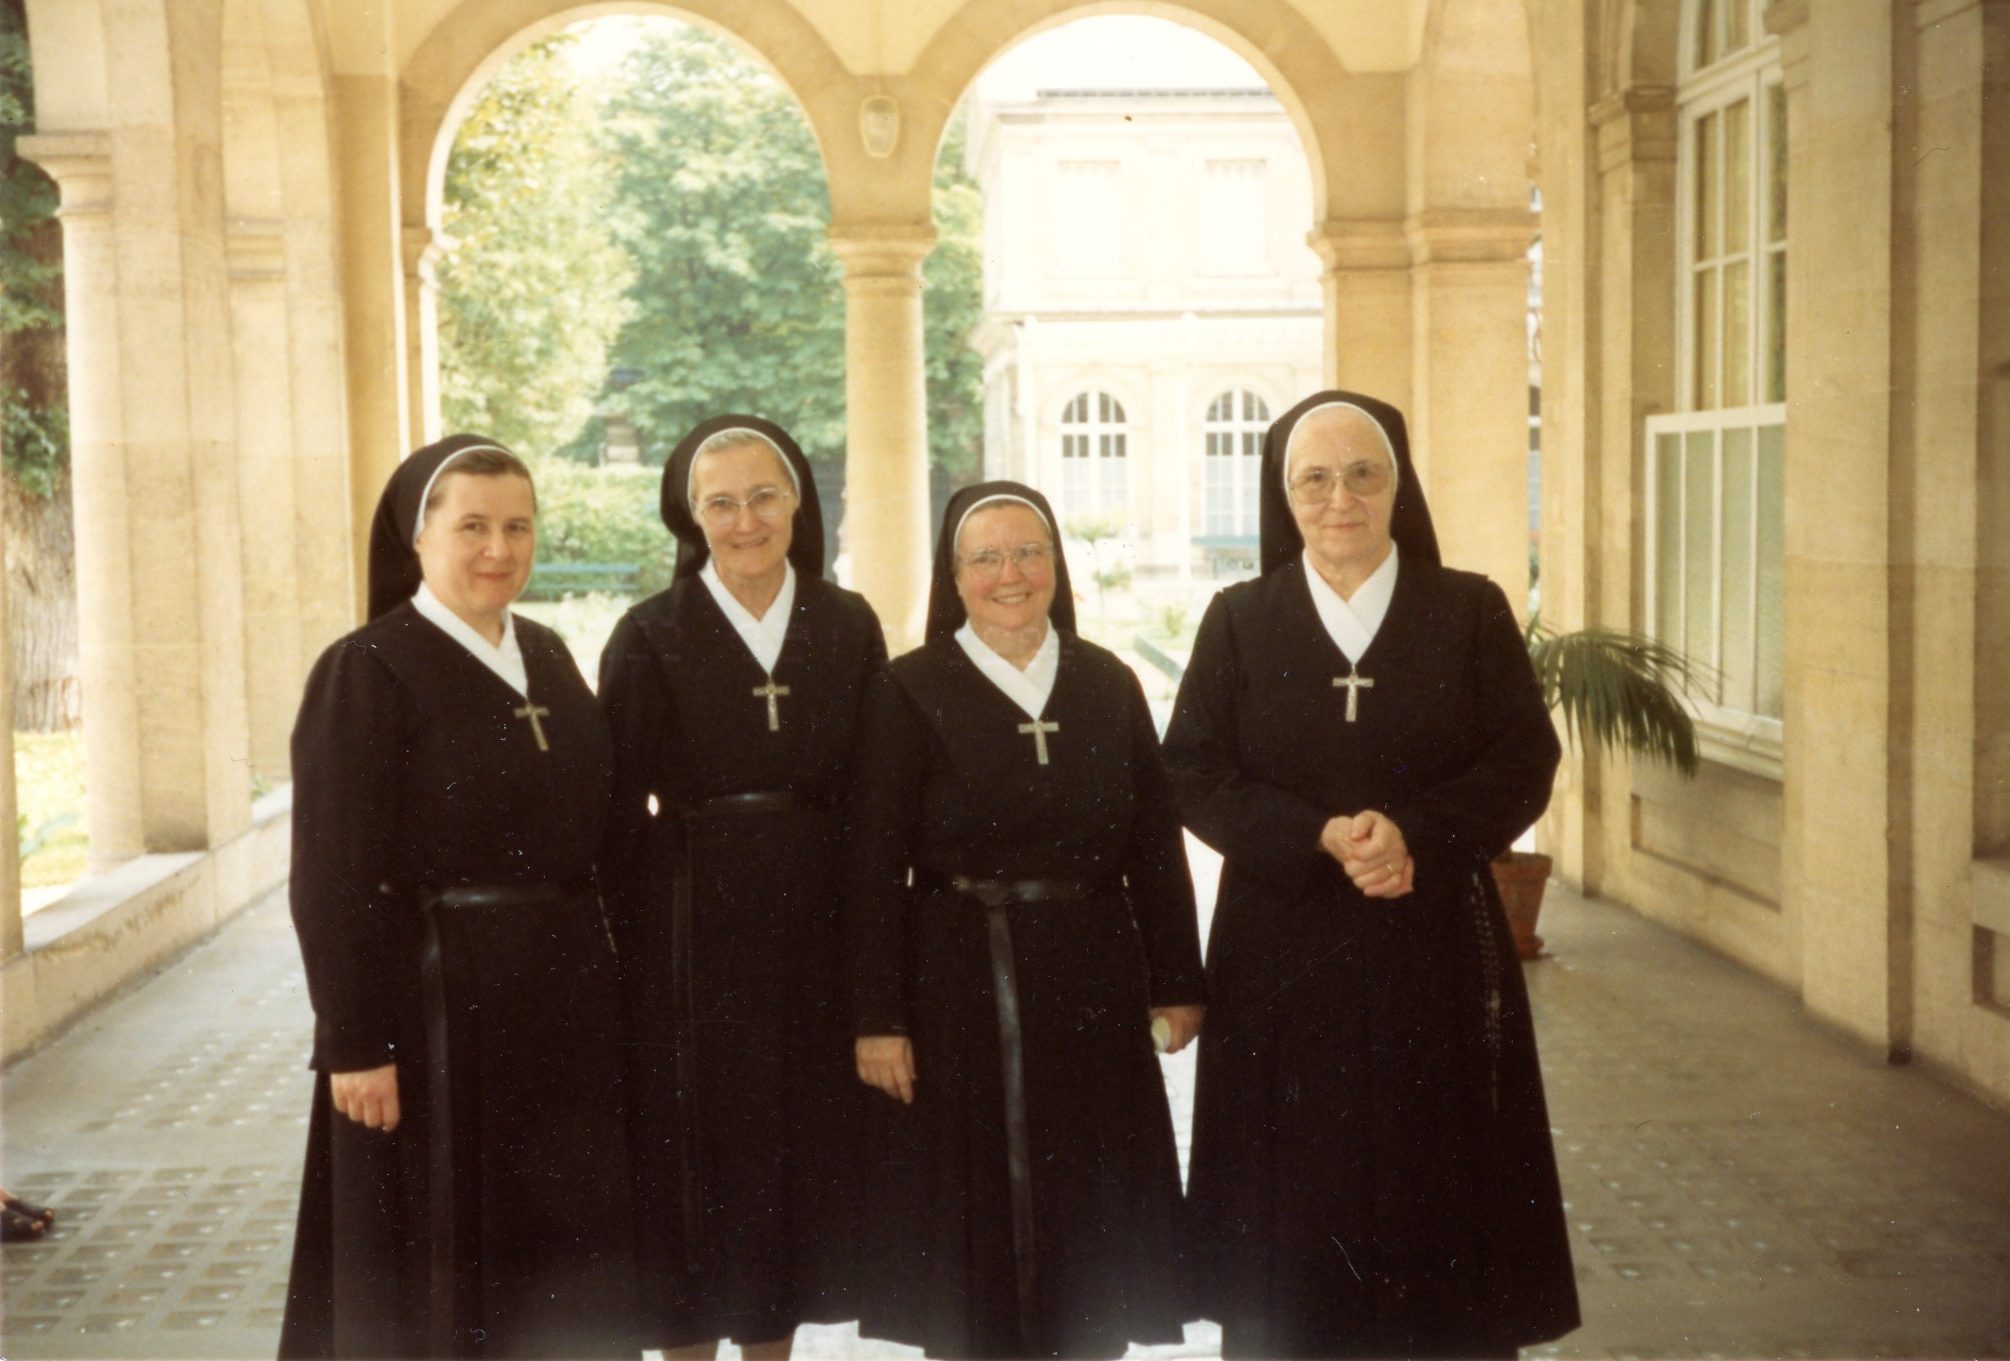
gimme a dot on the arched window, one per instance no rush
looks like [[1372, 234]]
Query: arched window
[[1716, 482], [1095, 450], [1234, 430]]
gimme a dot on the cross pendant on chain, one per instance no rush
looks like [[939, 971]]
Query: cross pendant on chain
[[533, 712], [1355, 683], [1039, 730], [771, 692]]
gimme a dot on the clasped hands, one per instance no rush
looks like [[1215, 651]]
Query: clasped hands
[[1371, 850], [887, 1061]]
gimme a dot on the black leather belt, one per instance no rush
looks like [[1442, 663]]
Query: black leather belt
[[684, 996], [996, 896]]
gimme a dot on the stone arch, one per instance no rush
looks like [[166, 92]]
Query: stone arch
[[447, 72], [1297, 64]]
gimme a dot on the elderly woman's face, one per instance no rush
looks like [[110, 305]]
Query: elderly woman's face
[[746, 505], [1005, 568], [478, 542], [1342, 491]]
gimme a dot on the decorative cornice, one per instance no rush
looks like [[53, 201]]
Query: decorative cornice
[[1355, 244], [81, 165], [1635, 124], [1442, 236], [891, 252]]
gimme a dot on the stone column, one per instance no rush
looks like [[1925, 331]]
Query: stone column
[[261, 343], [1840, 818], [1469, 396], [373, 312], [886, 423], [159, 572], [324, 590], [1365, 281], [423, 249]]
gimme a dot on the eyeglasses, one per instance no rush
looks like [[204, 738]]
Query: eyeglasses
[[769, 505], [1314, 486], [989, 562]]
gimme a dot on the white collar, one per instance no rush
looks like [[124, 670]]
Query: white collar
[[763, 635], [1353, 623], [505, 659], [1029, 689]]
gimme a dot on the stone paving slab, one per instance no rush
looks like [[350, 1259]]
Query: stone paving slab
[[1741, 1181]]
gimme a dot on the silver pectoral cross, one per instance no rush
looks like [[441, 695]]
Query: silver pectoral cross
[[533, 712], [1039, 730], [1355, 683], [771, 692]]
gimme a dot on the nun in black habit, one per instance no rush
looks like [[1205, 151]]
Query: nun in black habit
[[1021, 917], [733, 700], [463, 1192], [1359, 733]]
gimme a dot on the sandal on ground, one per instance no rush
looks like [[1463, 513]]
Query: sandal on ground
[[19, 1227], [44, 1217]]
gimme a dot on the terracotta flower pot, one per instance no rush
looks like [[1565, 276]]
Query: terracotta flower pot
[[1521, 877]]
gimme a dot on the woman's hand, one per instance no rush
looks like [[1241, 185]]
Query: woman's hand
[[887, 1062], [368, 1096], [1182, 1024], [1371, 850]]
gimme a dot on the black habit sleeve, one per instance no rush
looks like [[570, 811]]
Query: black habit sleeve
[[1469, 819], [350, 911], [637, 708], [1155, 869], [1271, 832], [892, 762]]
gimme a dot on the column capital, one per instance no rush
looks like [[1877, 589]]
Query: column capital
[[1634, 124], [81, 165], [1439, 236], [1352, 244], [882, 252], [255, 249]]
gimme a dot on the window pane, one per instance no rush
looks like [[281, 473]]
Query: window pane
[[1704, 318], [1706, 189], [1776, 326], [1771, 568], [1668, 539], [1738, 19], [1737, 660], [1776, 162], [1738, 333], [1737, 176], [1698, 557]]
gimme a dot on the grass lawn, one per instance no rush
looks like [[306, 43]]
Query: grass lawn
[[49, 799]]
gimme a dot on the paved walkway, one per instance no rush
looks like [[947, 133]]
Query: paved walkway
[[1741, 1182]]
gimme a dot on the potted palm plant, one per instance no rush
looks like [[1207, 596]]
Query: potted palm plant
[[1626, 691]]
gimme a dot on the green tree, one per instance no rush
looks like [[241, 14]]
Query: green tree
[[534, 288], [739, 301], [34, 412]]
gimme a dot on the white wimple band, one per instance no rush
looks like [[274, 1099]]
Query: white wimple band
[[741, 434], [419, 522], [956, 539], [1388, 446]]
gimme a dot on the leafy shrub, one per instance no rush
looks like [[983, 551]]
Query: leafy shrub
[[603, 515]]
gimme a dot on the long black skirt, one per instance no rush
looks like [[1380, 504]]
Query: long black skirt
[[494, 1222], [1104, 1168]]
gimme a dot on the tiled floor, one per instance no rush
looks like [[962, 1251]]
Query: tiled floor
[[1741, 1182]]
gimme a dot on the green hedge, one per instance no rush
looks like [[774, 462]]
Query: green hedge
[[605, 515]]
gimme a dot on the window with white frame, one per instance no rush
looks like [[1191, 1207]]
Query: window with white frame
[[1233, 217], [1095, 455], [1233, 430], [1088, 218], [1716, 466]]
